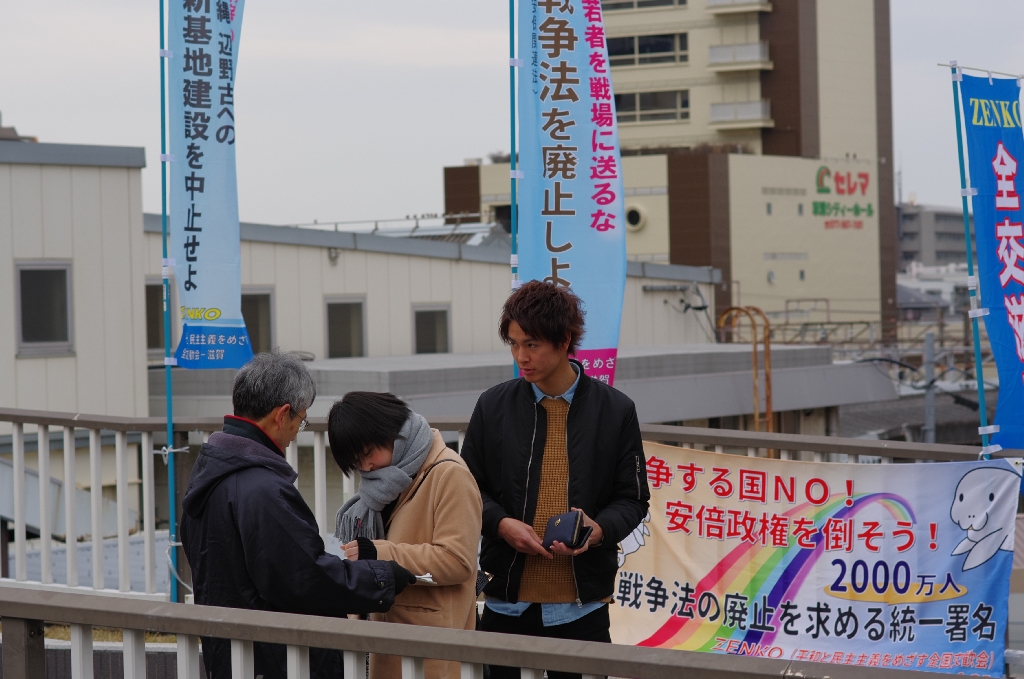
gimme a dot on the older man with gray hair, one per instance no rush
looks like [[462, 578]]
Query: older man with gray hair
[[251, 540]]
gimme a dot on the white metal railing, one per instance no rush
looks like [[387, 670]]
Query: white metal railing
[[732, 54], [741, 111], [23, 656], [27, 426]]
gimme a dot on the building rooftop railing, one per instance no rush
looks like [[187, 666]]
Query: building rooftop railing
[[25, 612], [34, 430]]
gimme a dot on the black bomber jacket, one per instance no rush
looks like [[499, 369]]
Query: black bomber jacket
[[504, 447]]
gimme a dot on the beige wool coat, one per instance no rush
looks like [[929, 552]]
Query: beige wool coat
[[434, 528]]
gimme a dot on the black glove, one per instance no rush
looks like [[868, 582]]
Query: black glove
[[367, 550], [403, 578]]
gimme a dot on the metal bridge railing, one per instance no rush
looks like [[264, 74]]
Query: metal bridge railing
[[24, 613], [38, 428]]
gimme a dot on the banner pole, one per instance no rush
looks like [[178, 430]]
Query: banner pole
[[172, 511], [513, 208], [972, 281]]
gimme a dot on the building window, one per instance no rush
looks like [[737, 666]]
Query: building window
[[800, 209], [256, 311], [44, 308], [612, 5], [431, 328], [345, 329], [802, 277], [645, 106], [664, 48], [768, 209], [155, 316]]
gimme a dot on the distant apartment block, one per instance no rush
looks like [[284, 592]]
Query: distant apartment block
[[932, 235]]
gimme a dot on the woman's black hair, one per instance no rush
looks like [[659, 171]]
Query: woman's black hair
[[362, 420]]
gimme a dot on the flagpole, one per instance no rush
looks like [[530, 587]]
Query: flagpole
[[972, 281], [172, 512], [513, 156]]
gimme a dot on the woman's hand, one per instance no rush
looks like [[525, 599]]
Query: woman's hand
[[351, 550]]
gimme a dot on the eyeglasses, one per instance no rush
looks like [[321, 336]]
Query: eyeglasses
[[302, 425]]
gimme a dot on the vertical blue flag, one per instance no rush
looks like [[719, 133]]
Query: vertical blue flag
[[991, 110], [572, 223], [203, 37]]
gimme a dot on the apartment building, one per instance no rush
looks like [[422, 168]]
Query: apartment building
[[757, 139]]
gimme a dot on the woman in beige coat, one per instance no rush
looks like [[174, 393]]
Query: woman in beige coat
[[418, 505]]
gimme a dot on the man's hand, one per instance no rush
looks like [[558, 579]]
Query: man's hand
[[521, 537], [596, 536]]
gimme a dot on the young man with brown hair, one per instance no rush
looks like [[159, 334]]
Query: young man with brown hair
[[551, 442]]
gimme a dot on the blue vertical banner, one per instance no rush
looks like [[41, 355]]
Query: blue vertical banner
[[572, 223], [991, 113], [203, 37]]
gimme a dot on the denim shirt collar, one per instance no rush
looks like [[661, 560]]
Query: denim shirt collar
[[569, 393]]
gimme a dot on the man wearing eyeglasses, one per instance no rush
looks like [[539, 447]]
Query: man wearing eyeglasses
[[249, 537]]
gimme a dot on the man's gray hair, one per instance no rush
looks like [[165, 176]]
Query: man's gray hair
[[270, 380]]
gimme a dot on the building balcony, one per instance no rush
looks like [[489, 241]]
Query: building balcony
[[749, 57], [742, 115], [737, 6]]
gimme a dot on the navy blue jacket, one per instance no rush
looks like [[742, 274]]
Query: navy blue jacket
[[252, 542]]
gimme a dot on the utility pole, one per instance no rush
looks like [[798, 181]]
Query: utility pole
[[929, 391]]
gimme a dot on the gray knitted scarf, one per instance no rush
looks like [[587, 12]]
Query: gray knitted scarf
[[360, 516]]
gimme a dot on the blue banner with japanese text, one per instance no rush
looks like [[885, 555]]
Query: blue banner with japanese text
[[203, 38], [572, 226], [991, 109]]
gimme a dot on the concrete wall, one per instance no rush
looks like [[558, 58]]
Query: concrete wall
[[846, 80], [91, 216], [840, 264]]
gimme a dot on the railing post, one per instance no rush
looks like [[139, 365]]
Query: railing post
[[45, 520], [70, 510], [242, 663], [134, 654], [81, 652], [18, 450], [188, 657], [148, 512], [291, 454], [354, 664], [412, 668], [320, 481], [470, 671], [23, 652], [348, 487], [526, 673], [298, 662], [124, 576], [96, 496]]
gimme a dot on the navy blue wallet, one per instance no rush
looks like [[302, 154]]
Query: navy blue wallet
[[568, 529]]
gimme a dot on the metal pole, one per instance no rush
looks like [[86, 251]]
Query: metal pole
[[972, 281], [172, 510], [929, 390], [513, 208]]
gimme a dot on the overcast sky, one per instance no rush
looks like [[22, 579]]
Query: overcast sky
[[349, 110]]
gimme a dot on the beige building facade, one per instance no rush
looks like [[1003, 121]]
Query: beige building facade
[[71, 279]]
